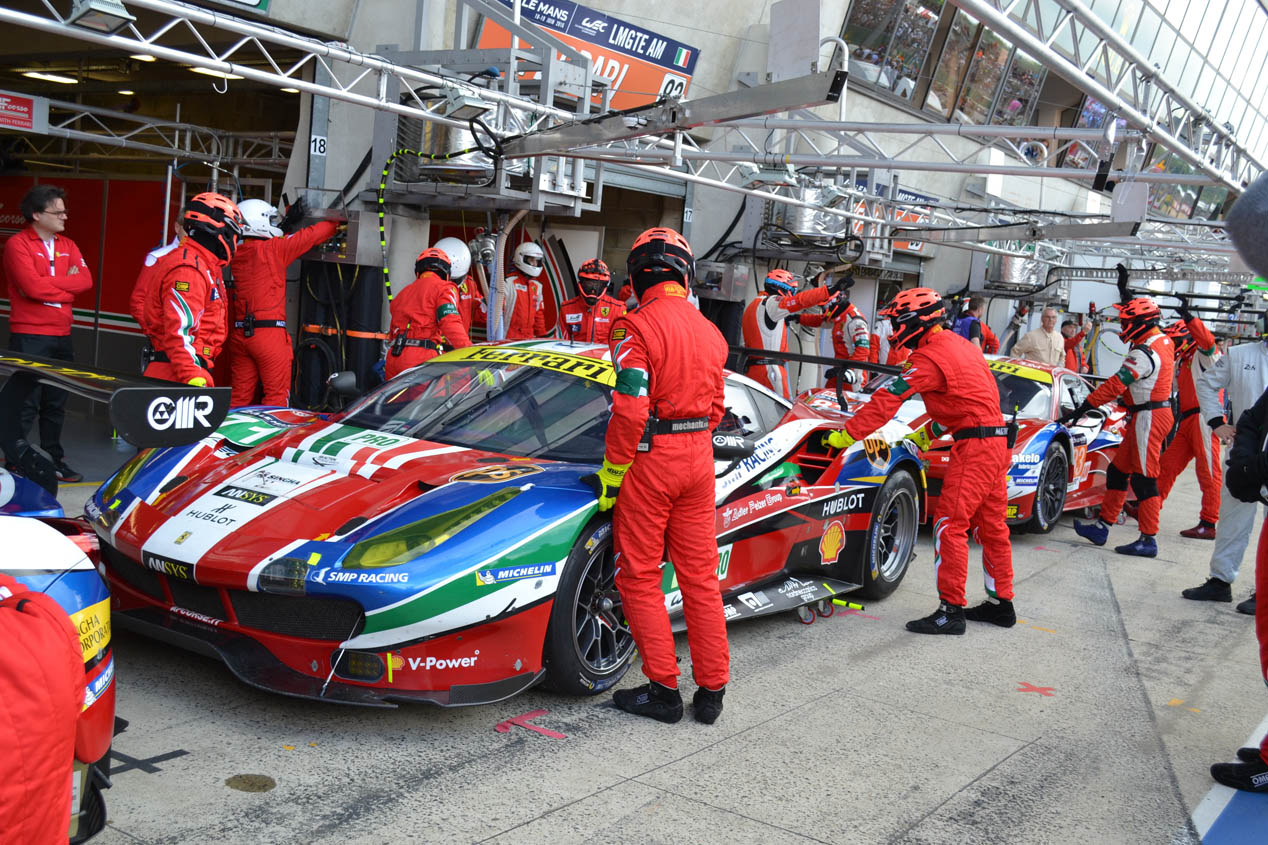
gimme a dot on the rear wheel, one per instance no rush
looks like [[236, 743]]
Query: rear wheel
[[892, 536], [1054, 477], [588, 643]]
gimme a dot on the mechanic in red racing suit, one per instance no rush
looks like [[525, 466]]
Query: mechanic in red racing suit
[[961, 396], [1195, 354], [186, 310], [41, 696], [424, 315], [259, 346], [1146, 378], [851, 340], [589, 315], [765, 326], [668, 398]]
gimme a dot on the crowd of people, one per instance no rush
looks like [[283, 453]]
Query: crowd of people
[[669, 390]]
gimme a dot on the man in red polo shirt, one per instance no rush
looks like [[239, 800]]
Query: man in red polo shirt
[[45, 272]]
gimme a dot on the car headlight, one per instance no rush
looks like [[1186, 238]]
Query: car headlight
[[286, 576], [401, 545], [126, 473]]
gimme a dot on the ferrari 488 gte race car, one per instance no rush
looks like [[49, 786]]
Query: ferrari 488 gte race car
[[1055, 467], [433, 541]]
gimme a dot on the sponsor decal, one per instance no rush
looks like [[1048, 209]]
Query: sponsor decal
[[183, 287], [618, 334], [594, 369], [91, 509], [832, 542], [496, 473], [185, 412], [724, 562], [1031, 373], [185, 535], [1027, 459], [170, 567], [795, 588], [877, 451], [93, 626], [1260, 779], [1010, 512], [196, 616], [730, 611], [755, 600], [216, 516], [572, 318], [841, 504], [326, 575], [263, 476], [428, 663], [599, 535], [491, 577], [241, 494], [98, 685], [739, 510]]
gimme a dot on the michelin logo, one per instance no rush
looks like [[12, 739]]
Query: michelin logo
[[491, 577]]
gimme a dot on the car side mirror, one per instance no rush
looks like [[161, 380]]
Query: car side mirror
[[343, 383], [731, 447]]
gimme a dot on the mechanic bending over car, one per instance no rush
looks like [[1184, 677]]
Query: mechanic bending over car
[[668, 399], [765, 324], [1196, 352], [851, 341], [424, 314], [961, 396], [1146, 379]]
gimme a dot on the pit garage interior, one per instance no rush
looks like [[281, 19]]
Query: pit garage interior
[[1018, 151]]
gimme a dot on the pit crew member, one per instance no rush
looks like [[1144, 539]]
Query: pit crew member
[[668, 398], [186, 311], [259, 346], [589, 315], [524, 305], [1146, 379], [1195, 354], [851, 341], [961, 396], [425, 315], [765, 325]]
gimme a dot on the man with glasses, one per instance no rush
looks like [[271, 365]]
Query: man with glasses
[[45, 271]]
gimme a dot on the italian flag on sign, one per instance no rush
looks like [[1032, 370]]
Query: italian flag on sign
[[682, 57]]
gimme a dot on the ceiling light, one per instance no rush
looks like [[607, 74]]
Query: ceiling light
[[290, 90], [126, 92], [106, 16], [141, 57], [51, 77], [462, 106], [219, 74]]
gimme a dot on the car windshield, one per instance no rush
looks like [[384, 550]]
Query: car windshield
[[1030, 398], [511, 409]]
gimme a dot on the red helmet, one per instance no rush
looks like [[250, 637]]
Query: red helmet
[[913, 313], [593, 278], [213, 221], [1179, 334], [660, 255], [435, 260], [780, 283], [1136, 317]]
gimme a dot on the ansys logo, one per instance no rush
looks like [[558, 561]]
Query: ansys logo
[[163, 413]]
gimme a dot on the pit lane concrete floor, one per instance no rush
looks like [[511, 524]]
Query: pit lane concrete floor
[[1094, 720]]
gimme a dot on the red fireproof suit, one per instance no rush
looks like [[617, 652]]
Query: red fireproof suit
[[41, 696], [1074, 352], [259, 289], [851, 340], [1261, 616], [959, 393], [764, 327], [589, 323], [186, 313], [141, 288], [40, 299], [990, 343], [471, 306], [1146, 377], [1194, 439], [426, 311], [668, 361], [528, 309]]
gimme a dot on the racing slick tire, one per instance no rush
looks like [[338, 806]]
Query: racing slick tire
[[1050, 492], [588, 642], [891, 539]]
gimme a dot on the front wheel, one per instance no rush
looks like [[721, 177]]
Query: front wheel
[[1050, 493], [892, 536], [588, 643]]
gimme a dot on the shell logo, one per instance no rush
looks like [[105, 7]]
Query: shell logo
[[832, 543]]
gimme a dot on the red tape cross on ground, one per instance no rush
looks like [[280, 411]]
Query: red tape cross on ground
[[1025, 687], [524, 721]]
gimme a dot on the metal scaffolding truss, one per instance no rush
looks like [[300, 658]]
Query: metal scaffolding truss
[[1124, 81], [98, 134]]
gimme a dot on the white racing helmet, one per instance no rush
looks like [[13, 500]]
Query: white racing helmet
[[260, 219], [459, 257], [528, 259]]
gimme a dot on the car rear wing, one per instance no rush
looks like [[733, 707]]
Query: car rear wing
[[744, 353], [146, 412]]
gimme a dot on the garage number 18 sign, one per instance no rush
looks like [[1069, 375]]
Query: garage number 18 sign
[[640, 65]]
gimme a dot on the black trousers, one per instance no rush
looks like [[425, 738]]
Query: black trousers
[[32, 398]]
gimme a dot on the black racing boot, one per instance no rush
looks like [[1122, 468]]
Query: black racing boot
[[1249, 754], [1248, 606], [994, 610], [652, 700], [1213, 590], [706, 704], [947, 619], [1251, 777]]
